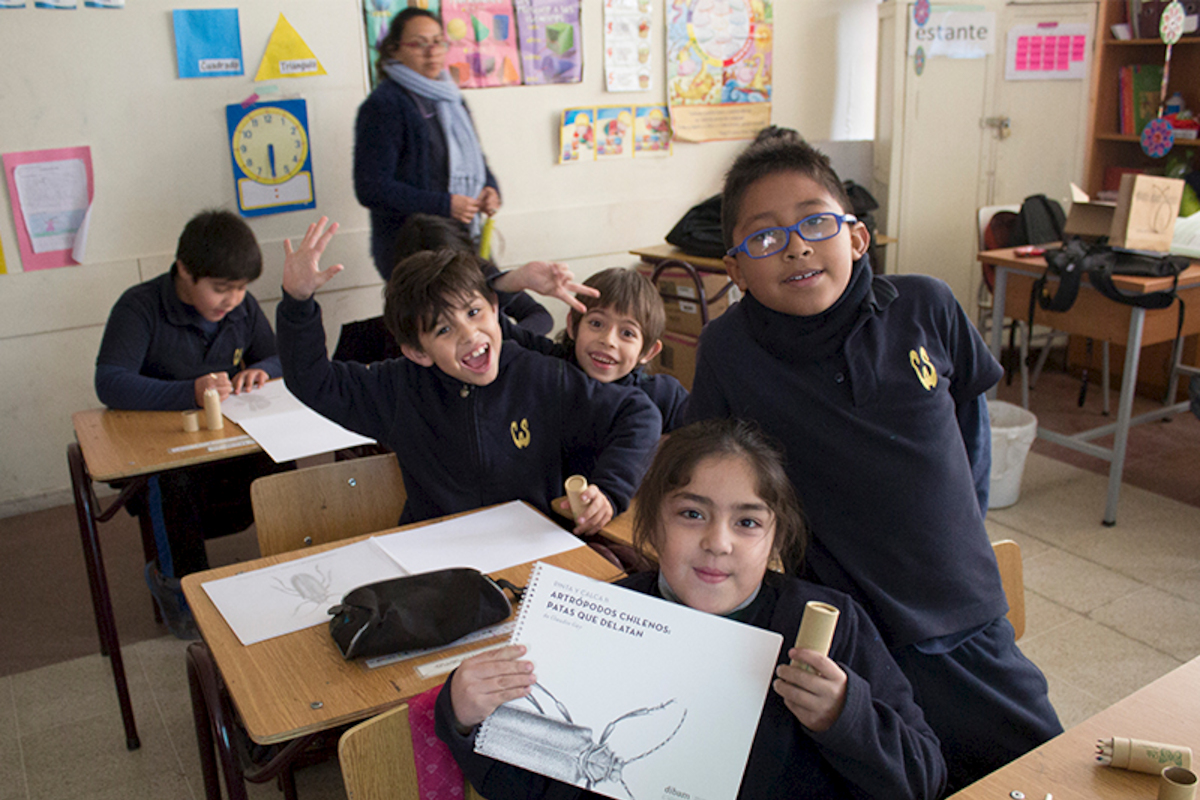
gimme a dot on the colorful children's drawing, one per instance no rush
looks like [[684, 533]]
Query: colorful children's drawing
[[719, 54], [576, 136], [614, 132], [551, 40], [50, 192], [378, 14], [483, 43], [651, 131]]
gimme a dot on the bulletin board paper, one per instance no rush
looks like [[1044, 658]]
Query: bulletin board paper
[[50, 199], [627, 45], [483, 43], [208, 42], [1047, 52], [551, 41], [287, 55]]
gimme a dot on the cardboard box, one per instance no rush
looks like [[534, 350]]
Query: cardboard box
[[1089, 220], [1147, 208], [678, 357], [683, 315]]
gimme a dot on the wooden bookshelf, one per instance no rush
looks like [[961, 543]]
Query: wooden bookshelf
[[1106, 147]]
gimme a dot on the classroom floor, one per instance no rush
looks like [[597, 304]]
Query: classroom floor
[[1108, 611]]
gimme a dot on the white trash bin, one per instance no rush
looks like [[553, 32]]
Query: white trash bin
[[1013, 432]]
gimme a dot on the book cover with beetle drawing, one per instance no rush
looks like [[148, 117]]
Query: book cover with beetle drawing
[[636, 697]]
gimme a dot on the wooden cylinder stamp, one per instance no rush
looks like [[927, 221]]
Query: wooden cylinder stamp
[[212, 410], [816, 629], [575, 486], [191, 421]]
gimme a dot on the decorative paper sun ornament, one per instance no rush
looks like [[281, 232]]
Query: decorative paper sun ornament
[[921, 12], [919, 60]]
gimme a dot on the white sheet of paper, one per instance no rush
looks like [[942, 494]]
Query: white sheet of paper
[[1186, 240], [264, 603], [285, 427], [79, 249], [54, 199], [488, 540]]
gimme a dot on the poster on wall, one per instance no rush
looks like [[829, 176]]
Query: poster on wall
[[482, 35], [576, 136], [627, 45], [272, 159], [208, 42], [719, 68], [51, 193], [551, 41], [614, 132], [377, 15], [651, 132], [1048, 51], [287, 55]]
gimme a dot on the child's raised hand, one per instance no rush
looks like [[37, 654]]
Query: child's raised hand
[[213, 380], [597, 511], [249, 379], [547, 278], [302, 273], [483, 683], [815, 699]]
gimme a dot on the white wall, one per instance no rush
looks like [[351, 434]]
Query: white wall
[[106, 79]]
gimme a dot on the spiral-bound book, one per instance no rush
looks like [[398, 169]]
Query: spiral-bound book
[[636, 697]]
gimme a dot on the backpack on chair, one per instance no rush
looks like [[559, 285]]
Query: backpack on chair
[[1040, 220]]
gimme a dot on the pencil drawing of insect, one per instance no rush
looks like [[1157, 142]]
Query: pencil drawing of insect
[[562, 749], [310, 588]]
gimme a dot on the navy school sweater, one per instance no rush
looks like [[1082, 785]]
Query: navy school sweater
[[461, 447], [873, 446], [155, 347], [879, 747]]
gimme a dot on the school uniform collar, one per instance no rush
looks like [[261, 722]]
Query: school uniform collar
[[181, 315]]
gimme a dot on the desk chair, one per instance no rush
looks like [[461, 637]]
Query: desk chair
[[376, 757], [327, 503], [1012, 576]]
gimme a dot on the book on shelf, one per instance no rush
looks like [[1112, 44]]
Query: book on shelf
[[1139, 92]]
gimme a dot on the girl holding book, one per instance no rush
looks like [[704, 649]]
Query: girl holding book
[[715, 508]]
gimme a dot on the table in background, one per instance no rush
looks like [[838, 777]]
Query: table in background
[[1095, 316], [1167, 711], [291, 687], [128, 447]]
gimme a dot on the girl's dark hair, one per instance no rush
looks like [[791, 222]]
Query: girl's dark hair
[[431, 232], [219, 244], [779, 152], [676, 460], [391, 40], [425, 285]]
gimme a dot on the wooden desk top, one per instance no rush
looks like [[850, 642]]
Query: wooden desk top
[[1167, 711], [1005, 257], [125, 444], [661, 252], [299, 683]]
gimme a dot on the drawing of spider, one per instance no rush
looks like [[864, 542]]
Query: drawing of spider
[[311, 588]]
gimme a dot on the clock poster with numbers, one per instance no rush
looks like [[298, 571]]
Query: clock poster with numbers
[[272, 160]]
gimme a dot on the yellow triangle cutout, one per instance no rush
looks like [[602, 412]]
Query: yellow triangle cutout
[[287, 55]]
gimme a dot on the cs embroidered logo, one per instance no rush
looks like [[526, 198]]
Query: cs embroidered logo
[[520, 436], [926, 372]]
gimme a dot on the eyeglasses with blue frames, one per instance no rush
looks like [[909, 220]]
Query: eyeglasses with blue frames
[[813, 228]]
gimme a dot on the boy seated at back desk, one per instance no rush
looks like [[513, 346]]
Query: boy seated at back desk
[[471, 423], [166, 341]]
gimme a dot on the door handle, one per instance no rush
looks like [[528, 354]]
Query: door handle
[[1003, 126]]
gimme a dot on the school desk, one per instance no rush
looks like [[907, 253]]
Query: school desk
[[127, 448], [294, 687], [1166, 711], [1095, 316]]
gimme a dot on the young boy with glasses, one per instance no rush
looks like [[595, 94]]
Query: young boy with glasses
[[875, 385]]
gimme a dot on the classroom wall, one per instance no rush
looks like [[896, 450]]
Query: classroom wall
[[106, 78]]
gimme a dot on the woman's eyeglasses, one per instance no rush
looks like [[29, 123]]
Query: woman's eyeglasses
[[425, 45], [814, 228]]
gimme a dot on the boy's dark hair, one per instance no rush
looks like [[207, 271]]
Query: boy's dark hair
[[391, 40], [676, 460], [431, 232], [219, 244], [425, 285], [779, 154], [626, 291], [775, 133]]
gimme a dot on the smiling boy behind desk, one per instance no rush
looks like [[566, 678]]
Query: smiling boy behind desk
[[166, 341], [874, 385], [472, 423]]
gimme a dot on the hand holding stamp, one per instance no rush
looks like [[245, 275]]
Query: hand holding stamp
[[816, 629]]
